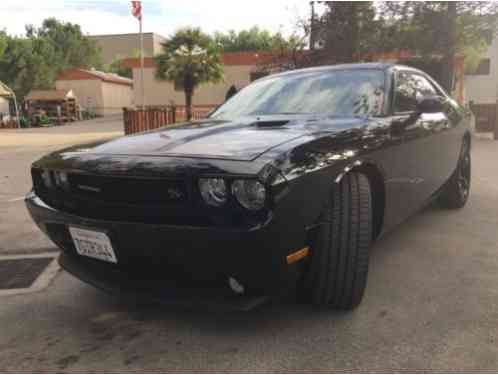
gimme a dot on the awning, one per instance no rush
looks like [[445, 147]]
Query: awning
[[5, 91]]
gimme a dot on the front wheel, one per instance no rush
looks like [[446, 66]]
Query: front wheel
[[337, 273], [456, 192]]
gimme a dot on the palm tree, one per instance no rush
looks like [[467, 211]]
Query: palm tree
[[189, 58]]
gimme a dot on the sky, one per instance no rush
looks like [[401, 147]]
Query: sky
[[159, 16]]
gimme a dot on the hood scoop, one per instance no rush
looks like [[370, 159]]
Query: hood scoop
[[270, 124]]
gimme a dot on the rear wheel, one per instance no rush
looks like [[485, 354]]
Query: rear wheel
[[338, 269], [457, 189]]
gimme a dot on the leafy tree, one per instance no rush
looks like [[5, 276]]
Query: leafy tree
[[253, 39], [189, 59], [27, 64], [442, 28], [116, 67], [33, 62], [3, 42], [72, 48], [347, 31]]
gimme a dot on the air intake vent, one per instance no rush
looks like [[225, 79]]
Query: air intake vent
[[270, 124]]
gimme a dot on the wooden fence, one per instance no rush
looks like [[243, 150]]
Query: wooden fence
[[486, 117], [139, 120]]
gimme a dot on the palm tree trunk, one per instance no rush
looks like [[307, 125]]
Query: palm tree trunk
[[450, 52], [188, 103]]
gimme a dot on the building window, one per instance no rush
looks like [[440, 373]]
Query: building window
[[482, 69]]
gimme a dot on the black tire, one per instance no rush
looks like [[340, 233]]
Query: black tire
[[338, 269], [456, 191]]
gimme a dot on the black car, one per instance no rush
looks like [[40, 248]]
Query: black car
[[282, 188]]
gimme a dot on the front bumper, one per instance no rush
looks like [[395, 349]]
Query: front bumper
[[154, 257]]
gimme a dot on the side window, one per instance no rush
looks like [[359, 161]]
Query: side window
[[405, 95], [410, 87], [423, 87]]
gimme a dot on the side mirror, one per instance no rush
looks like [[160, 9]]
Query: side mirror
[[430, 104]]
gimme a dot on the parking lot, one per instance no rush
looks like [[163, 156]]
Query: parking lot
[[431, 301]]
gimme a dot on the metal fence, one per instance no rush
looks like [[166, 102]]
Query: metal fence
[[139, 120]]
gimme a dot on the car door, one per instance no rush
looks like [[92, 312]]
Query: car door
[[425, 156]]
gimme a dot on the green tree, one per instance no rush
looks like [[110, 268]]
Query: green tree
[[441, 28], [189, 59], [26, 63], [72, 48], [116, 67], [3, 42], [253, 39], [347, 31], [33, 61]]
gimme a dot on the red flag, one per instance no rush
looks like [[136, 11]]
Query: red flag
[[136, 9]]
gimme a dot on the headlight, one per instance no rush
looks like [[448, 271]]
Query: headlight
[[47, 179], [213, 191], [250, 193], [61, 180]]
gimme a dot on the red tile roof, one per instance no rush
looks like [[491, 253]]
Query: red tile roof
[[82, 74]]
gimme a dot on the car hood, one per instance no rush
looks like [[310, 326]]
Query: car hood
[[242, 140]]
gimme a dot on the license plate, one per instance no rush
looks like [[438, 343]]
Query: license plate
[[93, 244]]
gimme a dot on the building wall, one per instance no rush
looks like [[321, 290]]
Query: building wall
[[156, 44], [483, 89], [115, 98], [163, 92], [88, 92], [104, 98], [124, 45], [4, 106]]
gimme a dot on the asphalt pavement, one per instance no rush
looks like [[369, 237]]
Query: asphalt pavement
[[431, 303]]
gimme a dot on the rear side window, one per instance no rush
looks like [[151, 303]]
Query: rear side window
[[410, 87]]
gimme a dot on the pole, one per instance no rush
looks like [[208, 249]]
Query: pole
[[142, 63], [312, 26], [17, 111]]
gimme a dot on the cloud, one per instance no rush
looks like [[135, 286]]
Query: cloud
[[276, 15], [160, 16]]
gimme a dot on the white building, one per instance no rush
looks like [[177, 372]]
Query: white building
[[5, 96], [103, 93], [481, 87]]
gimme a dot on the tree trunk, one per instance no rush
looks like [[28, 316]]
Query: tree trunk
[[188, 103], [450, 52], [353, 45]]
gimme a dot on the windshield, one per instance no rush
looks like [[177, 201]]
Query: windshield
[[342, 93]]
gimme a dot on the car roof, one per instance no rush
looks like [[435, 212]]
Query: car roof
[[354, 66]]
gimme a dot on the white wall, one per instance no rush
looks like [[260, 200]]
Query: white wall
[[88, 92], [4, 106], [163, 92], [105, 98], [484, 88], [115, 98]]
